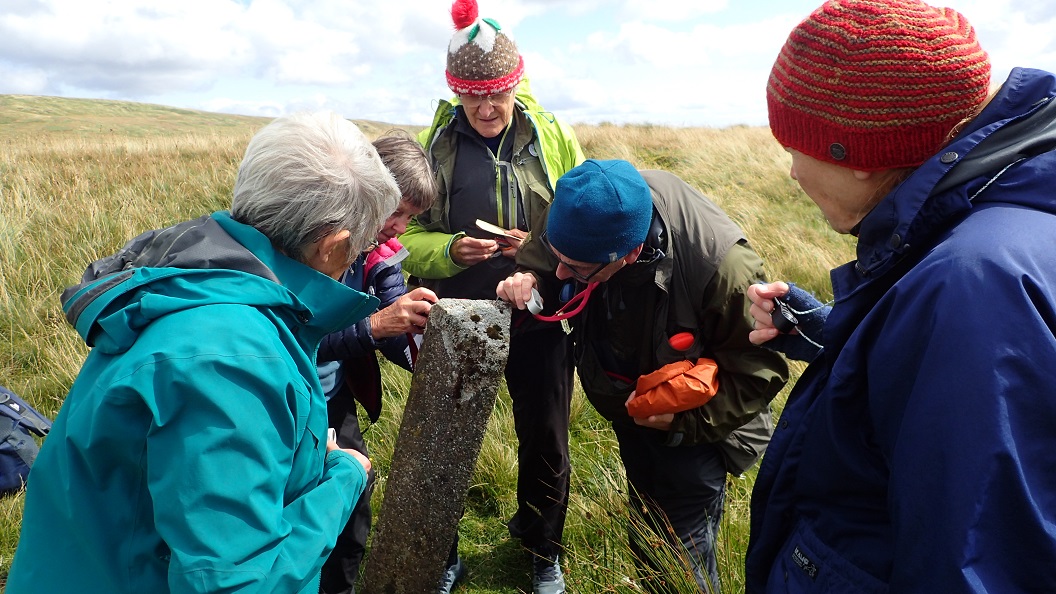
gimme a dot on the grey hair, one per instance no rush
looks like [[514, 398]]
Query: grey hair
[[406, 160], [307, 175]]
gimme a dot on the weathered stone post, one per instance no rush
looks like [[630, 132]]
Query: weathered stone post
[[456, 379]]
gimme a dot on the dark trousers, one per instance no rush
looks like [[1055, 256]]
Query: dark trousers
[[342, 567], [539, 379], [678, 493]]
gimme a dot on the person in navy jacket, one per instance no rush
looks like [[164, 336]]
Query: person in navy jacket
[[915, 453]]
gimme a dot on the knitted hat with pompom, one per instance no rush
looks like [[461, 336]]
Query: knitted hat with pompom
[[481, 59]]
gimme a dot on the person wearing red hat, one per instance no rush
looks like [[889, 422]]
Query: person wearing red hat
[[497, 155], [915, 452]]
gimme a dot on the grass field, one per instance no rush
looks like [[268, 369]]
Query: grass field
[[78, 178]]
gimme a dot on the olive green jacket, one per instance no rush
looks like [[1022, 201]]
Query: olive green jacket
[[700, 285]]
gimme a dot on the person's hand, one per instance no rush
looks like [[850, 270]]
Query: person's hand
[[508, 245], [331, 445], [467, 251], [363, 460], [516, 289], [409, 313], [661, 422], [762, 297]]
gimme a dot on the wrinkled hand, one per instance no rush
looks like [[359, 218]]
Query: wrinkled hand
[[509, 246], [661, 422], [363, 460], [409, 313], [467, 251], [762, 297], [516, 289]]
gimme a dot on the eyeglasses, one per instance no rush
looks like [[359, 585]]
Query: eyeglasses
[[584, 278], [493, 99], [576, 274]]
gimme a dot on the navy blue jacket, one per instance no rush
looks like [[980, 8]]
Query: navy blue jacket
[[376, 273], [384, 280], [917, 453]]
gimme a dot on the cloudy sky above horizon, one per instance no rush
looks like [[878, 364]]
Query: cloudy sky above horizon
[[665, 62]]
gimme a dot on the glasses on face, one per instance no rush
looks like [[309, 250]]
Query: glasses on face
[[572, 268], [493, 99], [579, 276]]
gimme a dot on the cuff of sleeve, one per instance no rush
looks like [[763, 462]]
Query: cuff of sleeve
[[447, 249], [368, 334], [337, 458]]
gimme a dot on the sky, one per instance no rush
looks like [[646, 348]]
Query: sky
[[662, 62]]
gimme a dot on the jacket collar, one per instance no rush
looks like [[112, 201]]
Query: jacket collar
[[924, 205]]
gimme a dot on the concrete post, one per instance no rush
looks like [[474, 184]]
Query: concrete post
[[453, 389]]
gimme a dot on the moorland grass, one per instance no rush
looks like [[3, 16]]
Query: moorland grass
[[78, 178]]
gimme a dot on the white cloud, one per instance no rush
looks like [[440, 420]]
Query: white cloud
[[23, 81], [659, 61], [671, 10]]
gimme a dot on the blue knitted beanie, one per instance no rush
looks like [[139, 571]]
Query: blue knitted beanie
[[601, 211]]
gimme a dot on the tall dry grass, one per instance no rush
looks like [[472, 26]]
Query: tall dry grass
[[70, 196]]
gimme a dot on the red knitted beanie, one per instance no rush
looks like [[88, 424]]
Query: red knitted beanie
[[481, 58], [876, 84]]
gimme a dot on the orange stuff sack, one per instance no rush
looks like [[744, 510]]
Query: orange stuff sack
[[675, 387]]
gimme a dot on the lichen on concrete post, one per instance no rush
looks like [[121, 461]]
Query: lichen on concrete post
[[453, 389]]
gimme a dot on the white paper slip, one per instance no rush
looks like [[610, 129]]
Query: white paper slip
[[496, 230]]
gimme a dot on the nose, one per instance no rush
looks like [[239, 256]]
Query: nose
[[486, 108], [562, 272], [792, 172], [400, 226]]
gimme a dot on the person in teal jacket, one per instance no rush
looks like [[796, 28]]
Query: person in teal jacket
[[191, 454]]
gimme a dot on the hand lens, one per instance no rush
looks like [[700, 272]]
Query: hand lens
[[782, 317]]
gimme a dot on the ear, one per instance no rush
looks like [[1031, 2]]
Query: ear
[[333, 246], [632, 257], [329, 255]]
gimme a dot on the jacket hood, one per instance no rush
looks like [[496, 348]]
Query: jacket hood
[[207, 261], [1004, 155]]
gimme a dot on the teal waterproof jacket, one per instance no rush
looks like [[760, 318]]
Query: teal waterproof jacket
[[189, 455]]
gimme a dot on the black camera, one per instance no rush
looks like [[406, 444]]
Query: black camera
[[782, 317]]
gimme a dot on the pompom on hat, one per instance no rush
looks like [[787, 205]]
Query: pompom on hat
[[601, 211], [482, 59], [876, 84]]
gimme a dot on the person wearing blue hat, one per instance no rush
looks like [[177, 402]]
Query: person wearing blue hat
[[665, 274]]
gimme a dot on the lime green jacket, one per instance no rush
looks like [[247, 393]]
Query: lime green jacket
[[189, 455], [429, 236]]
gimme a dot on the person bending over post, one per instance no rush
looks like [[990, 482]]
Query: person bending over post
[[191, 453]]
